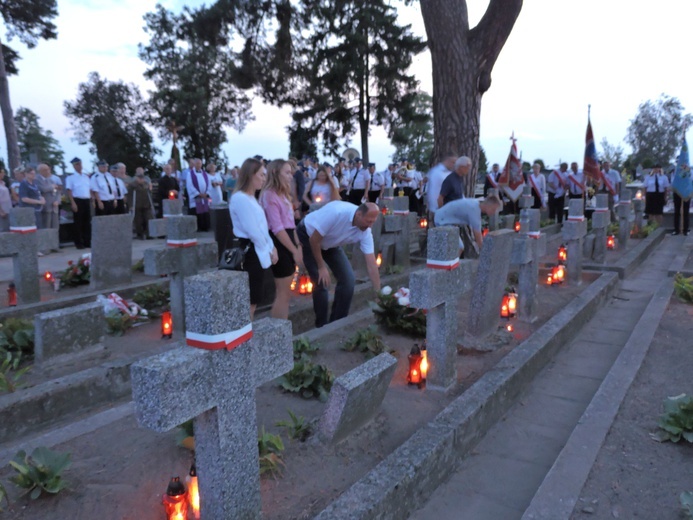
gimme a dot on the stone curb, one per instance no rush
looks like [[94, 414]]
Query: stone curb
[[631, 260], [559, 492], [679, 263], [407, 477]]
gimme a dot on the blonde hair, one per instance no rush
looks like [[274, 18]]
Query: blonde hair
[[249, 168], [274, 179]]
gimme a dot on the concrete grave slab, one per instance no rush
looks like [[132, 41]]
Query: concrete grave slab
[[21, 243], [111, 251], [356, 397]]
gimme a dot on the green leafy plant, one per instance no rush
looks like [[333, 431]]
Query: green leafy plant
[[270, 448], [185, 436], [40, 472], [118, 322], [366, 340], [17, 335], [138, 267], [686, 500], [676, 422], [645, 231], [683, 288], [612, 229], [546, 223], [76, 273], [394, 269], [298, 428], [399, 318], [308, 380], [303, 348], [10, 373], [153, 297], [3, 496]]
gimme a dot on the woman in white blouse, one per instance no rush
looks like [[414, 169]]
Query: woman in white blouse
[[250, 226]]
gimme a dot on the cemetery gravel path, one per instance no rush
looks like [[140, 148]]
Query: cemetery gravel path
[[500, 478]]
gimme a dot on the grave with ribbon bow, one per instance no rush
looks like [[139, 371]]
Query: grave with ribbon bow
[[437, 289], [181, 256], [212, 380]]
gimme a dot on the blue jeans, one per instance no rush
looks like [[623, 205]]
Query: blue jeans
[[337, 261]]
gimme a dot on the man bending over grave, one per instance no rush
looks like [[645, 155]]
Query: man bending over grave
[[322, 233], [467, 212]]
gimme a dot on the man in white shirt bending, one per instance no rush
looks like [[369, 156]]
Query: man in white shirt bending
[[322, 233]]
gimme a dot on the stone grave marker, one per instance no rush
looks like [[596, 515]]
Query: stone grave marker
[[437, 289], [21, 244], [356, 397], [61, 335], [489, 285], [574, 231], [494, 220], [358, 261], [214, 384], [169, 208], [601, 218], [528, 248], [638, 212], [182, 256], [399, 224], [111, 251], [48, 240], [625, 217]]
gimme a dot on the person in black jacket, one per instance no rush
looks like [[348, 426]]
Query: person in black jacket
[[168, 183]]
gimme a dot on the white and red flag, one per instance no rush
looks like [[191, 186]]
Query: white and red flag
[[512, 180]]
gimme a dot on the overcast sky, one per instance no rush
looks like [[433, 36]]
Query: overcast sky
[[561, 56]]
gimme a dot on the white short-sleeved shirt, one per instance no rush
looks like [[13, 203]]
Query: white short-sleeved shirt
[[436, 176], [362, 177], [79, 185], [104, 184], [334, 221]]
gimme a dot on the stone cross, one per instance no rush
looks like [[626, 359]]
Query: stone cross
[[494, 220], [526, 199], [601, 218], [574, 231], [528, 248], [169, 208], [21, 244], [399, 223], [638, 210], [489, 285], [111, 251], [182, 256], [437, 289], [214, 384], [625, 216]]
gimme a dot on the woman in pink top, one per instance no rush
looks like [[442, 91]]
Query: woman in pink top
[[276, 201]]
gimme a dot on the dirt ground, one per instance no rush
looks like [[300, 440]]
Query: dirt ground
[[635, 476]]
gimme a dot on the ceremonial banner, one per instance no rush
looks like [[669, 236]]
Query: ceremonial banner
[[591, 165], [512, 180], [681, 182]]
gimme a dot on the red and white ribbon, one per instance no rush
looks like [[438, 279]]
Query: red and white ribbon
[[387, 198], [22, 230], [189, 242], [533, 234], [601, 210], [227, 340], [400, 212], [447, 265], [576, 218]]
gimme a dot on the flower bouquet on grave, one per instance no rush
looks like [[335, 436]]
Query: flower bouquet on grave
[[121, 314], [76, 274], [394, 312]]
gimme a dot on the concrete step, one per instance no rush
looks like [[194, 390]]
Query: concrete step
[[501, 476]]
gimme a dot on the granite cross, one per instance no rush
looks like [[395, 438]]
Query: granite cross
[[489, 285], [214, 384], [600, 221], [169, 208], [182, 256], [437, 289], [22, 244], [528, 247], [574, 231], [625, 216]]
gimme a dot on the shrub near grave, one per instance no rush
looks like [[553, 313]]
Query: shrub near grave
[[367, 341], [76, 274], [683, 288], [676, 422], [298, 428]]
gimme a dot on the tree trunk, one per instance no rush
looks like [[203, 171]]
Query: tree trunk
[[462, 60], [13, 155]]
